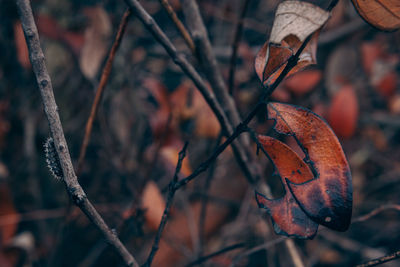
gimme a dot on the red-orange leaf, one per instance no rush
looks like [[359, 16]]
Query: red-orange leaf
[[327, 199], [343, 113], [303, 82], [382, 14], [287, 216]]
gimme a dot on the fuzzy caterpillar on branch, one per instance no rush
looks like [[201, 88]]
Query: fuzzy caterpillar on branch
[[52, 160]]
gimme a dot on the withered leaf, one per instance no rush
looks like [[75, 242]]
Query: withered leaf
[[343, 113], [326, 199], [382, 14], [96, 41], [287, 216], [294, 22], [154, 203]]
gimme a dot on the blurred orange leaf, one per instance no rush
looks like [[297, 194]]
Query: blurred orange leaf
[[22, 49], [326, 199], [154, 203], [382, 14], [287, 216], [8, 229], [171, 154], [343, 112], [303, 82], [96, 38]]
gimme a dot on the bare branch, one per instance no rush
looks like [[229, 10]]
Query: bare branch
[[376, 212], [100, 90], [209, 62], [190, 71], [381, 260], [235, 45], [170, 198], [46, 89], [179, 25]]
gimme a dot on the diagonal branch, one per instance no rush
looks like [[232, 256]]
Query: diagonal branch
[[179, 25], [170, 198], [235, 45], [100, 90], [189, 70], [209, 61], [381, 260], [50, 107]]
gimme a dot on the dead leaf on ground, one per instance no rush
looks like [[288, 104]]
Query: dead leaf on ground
[[287, 216], [382, 14], [303, 82], [7, 228], [187, 103], [326, 199], [294, 22], [343, 112], [154, 204], [96, 37], [21, 47]]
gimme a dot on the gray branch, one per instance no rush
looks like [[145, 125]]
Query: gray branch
[[73, 187]]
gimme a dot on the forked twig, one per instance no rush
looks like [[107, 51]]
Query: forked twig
[[170, 198], [190, 71], [100, 90], [73, 187]]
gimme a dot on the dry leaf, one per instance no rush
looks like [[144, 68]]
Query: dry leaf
[[96, 38], [388, 84], [22, 49], [294, 22], [287, 216], [382, 14], [297, 18], [343, 113], [394, 104], [171, 154], [303, 82], [370, 52], [327, 199], [7, 230], [154, 205], [190, 104]]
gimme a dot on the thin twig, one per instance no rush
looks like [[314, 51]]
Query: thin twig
[[252, 250], [73, 187], [204, 199], [235, 45], [381, 260], [376, 211], [189, 70], [179, 25], [170, 198], [100, 90], [214, 254]]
